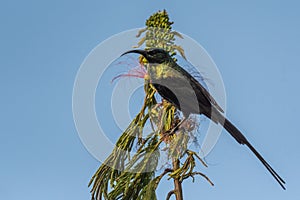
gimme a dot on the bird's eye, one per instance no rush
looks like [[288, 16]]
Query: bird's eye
[[151, 53]]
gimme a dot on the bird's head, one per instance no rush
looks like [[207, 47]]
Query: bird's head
[[154, 55]]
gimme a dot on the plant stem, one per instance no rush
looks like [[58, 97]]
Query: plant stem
[[177, 182]]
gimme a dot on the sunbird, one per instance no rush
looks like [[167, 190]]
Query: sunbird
[[181, 89]]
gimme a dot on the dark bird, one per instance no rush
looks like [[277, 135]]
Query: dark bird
[[181, 89]]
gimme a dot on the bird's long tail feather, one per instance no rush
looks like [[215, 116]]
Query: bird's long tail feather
[[240, 138]]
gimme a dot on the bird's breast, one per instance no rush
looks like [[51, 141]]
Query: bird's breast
[[162, 71]]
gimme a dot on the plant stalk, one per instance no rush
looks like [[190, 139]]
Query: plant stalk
[[177, 182]]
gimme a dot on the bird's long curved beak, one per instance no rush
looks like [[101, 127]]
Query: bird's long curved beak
[[139, 51]]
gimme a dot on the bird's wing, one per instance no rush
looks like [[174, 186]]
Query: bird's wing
[[182, 89], [180, 92], [197, 86], [207, 95]]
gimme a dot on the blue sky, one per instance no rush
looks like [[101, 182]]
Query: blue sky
[[255, 45]]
